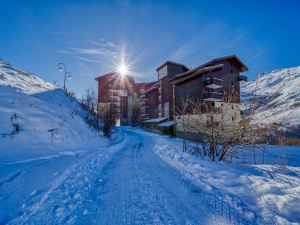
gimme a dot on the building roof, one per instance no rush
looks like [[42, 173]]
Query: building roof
[[129, 78], [105, 75], [113, 73], [174, 63], [242, 66], [210, 65], [180, 78]]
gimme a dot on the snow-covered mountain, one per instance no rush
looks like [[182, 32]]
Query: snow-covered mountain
[[282, 89], [37, 119], [22, 80]]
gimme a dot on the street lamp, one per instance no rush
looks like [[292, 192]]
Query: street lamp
[[67, 75]]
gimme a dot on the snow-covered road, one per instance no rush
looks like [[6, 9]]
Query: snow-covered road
[[126, 183]]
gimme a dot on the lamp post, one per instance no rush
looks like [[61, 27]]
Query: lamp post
[[67, 75]]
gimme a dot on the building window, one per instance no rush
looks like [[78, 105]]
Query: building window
[[232, 106], [232, 118], [231, 83], [231, 71]]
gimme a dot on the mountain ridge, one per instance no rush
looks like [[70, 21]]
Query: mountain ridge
[[281, 90]]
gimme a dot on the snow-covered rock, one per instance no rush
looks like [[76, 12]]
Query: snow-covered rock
[[282, 89]]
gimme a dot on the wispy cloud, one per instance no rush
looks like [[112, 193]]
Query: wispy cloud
[[255, 56], [95, 51], [82, 58]]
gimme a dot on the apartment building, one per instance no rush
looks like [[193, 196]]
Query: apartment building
[[117, 93], [216, 83]]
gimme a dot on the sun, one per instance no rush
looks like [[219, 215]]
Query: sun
[[123, 69]]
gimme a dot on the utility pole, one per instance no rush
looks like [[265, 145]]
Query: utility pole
[[67, 75]]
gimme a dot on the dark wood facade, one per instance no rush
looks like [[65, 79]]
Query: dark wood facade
[[216, 81], [167, 71], [149, 100]]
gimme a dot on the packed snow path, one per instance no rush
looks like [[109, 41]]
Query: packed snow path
[[129, 184]]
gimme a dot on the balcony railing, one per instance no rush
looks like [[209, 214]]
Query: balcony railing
[[242, 78], [213, 83], [213, 97]]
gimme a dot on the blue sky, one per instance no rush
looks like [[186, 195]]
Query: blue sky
[[90, 36]]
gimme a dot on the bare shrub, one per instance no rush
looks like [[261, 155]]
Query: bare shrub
[[15, 125], [222, 137]]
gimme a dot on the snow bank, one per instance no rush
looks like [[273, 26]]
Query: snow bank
[[265, 194], [50, 122]]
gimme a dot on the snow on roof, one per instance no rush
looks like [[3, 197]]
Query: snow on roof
[[156, 120], [184, 76], [167, 124], [174, 63], [206, 68]]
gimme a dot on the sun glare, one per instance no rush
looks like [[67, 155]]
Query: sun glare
[[123, 70]]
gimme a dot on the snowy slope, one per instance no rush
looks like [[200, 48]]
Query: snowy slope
[[282, 87], [53, 137], [46, 116]]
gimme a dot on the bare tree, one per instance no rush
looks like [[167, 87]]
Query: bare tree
[[89, 103], [219, 126], [183, 112], [89, 99]]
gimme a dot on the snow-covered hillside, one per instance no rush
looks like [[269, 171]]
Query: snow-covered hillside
[[48, 120], [43, 136], [282, 88], [22, 80]]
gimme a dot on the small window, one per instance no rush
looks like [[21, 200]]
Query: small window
[[232, 106], [231, 83], [232, 118], [231, 71]]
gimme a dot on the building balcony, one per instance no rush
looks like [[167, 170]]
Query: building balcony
[[242, 78], [213, 97], [213, 83]]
